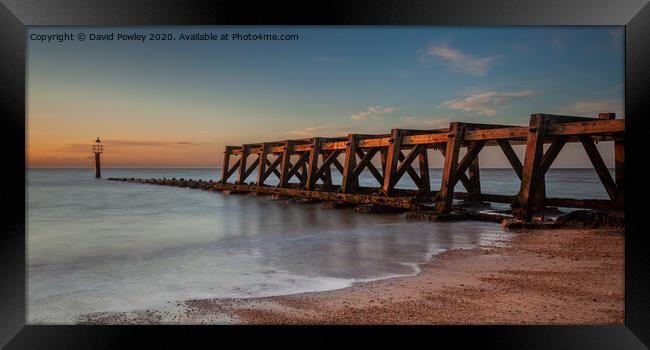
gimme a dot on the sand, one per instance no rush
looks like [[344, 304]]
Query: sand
[[560, 276]]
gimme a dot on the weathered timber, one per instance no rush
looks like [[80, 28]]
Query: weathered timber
[[531, 180]]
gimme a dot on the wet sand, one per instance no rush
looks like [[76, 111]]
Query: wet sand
[[562, 276]]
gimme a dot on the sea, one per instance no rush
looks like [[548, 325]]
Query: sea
[[96, 246]]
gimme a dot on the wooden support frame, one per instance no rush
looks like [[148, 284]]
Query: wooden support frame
[[227, 171], [286, 163]]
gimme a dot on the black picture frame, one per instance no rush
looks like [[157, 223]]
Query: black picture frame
[[15, 15]]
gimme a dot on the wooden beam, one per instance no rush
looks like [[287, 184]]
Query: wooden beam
[[405, 165], [286, 163], [272, 168], [511, 156], [325, 167], [392, 160], [250, 170], [599, 165], [551, 153], [366, 162], [349, 181], [241, 177], [313, 163], [233, 169], [295, 169], [531, 175], [225, 164], [445, 195], [596, 126], [263, 161], [472, 152]]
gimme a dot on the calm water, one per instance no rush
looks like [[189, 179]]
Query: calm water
[[97, 245]]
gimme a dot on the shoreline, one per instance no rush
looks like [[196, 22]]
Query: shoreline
[[559, 276]]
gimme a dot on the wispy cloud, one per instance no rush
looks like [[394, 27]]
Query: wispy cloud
[[372, 111], [485, 103], [459, 61], [592, 107]]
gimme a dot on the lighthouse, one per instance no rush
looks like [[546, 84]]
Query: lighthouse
[[98, 148]]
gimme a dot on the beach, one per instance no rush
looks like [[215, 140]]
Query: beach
[[560, 276]]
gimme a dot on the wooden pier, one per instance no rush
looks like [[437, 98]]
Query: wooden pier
[[311, 162]]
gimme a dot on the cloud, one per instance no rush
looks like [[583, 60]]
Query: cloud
[[459, 61], [372, 110], [592, 107], [485, 103]]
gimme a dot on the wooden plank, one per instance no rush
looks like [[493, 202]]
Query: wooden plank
[[349, 181], [616, 126], [445, 195], [496, 134], [511, 156], [295, 169], [599, 165], [531, 174], [467, 183], [392, 160], [409, 170]]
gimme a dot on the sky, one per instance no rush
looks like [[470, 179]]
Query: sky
[[177, 103]]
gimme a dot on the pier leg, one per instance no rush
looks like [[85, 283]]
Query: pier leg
[[446, 193], [524, 203], [392, 161], [241, 176], [226, 164], [313, 164], [261, 168], [286, 163], [350, 183]]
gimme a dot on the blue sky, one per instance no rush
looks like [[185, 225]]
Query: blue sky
[[196, 96]]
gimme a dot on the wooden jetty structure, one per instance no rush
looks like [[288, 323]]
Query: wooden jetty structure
[[310, 162]]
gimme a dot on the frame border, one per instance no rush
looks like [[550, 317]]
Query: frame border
[[15, 15]]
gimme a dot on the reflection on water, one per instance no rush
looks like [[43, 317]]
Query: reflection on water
[[97, 245]]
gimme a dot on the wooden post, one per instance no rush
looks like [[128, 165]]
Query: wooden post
[[261, 167], [241, 176], [286, 163], [475, 180], [313, 164], [226, 164], [619, 173], [524, 203], [392, 161], [446, 193], [424, 186], [349, 182]]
